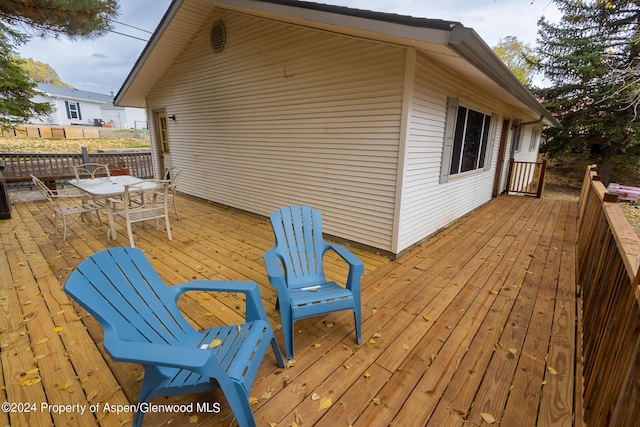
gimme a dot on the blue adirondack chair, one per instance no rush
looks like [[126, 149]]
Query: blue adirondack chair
[[294, 267], [142, 324]]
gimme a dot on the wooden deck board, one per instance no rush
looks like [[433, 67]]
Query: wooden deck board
[[468, 322]]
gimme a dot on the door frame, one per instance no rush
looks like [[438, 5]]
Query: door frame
[[162, 146], [502, 151]]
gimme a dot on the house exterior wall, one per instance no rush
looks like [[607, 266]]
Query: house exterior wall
[[124, 117], [88, 112], [426, 204], [288, 115], [528, 152]]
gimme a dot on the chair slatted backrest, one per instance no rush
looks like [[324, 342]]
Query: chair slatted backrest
[[120, 288], [299, 243]]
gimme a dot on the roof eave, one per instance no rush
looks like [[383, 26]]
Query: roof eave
[[470, 46]]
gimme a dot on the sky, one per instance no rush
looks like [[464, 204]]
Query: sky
[[102, 65]]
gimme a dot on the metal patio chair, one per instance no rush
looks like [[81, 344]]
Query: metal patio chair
[[64, 205]]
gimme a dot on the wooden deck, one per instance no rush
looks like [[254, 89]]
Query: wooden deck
[[480, 319]]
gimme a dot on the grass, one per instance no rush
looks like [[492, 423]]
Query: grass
[[51, 145]]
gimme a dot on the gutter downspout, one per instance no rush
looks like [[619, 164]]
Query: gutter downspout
[[533, 122]]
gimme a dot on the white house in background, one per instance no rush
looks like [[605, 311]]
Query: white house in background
[[393, 126], [81, 107]]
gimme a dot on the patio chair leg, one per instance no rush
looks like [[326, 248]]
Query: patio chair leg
[[175, 207]]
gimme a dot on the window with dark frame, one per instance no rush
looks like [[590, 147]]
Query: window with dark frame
[[73, 110], [470, 141]]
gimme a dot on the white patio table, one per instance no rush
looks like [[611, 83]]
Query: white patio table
[[104, 188]]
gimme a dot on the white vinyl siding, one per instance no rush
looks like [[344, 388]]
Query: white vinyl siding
[[287, 115], [427, 204]]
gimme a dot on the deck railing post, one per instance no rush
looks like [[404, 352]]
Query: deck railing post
[[85, 155]]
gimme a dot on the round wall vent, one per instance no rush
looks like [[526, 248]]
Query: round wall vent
[[218, 37]]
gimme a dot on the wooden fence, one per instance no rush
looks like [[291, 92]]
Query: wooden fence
[[608, 261], [59, 166], [526, 177]]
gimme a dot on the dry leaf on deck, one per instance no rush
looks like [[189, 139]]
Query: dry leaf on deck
[[216, 342], [552, 371], [367, 374], [405, 347], [253, 400], [315, 396], [266, 394], [68, 383], [57, 329], [193, 419], [325, 403], [488, 418], [376, 400]]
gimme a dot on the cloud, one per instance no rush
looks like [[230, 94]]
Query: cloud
[[101, 65]]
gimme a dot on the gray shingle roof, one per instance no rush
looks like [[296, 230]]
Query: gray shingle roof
[[71, 93]]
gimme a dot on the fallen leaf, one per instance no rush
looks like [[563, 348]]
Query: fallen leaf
[[325, 403], [372, 341], [209, 314], [552, 371], [488, 418], [317, 345], [32, 371], [253, 400], [367, 374], [291, 363], [377, 335], [330, 324], [216, 342], [374, 311], [405, 347], [425, 317], [193, 419], [267, 394], [57, 329], [315, 396], [347, 365], [513, 351], [376, 400], [68, 383], [29, 380]]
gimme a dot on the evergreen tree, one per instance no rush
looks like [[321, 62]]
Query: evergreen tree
[[20, 20], [582, 56]]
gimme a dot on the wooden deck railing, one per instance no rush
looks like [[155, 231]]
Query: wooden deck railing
[[526, 177], [608, 261], [59, 166]]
